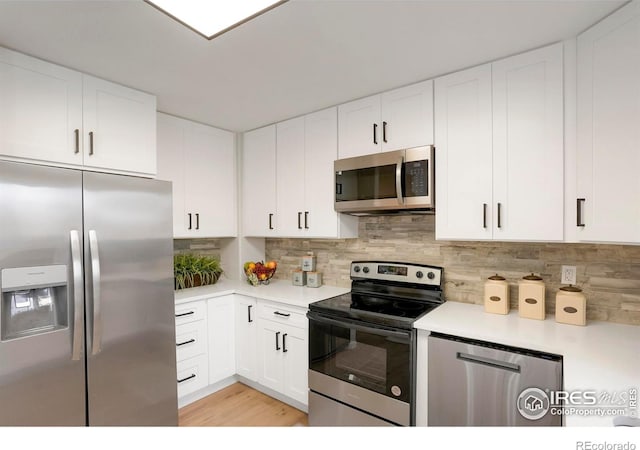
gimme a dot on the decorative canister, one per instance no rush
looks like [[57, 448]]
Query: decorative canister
[[314, 279], [496, 295], [299, 278], [571, 306], [309, 262], [531, 297]]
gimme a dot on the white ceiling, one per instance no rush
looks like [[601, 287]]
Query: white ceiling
[[300, 57]]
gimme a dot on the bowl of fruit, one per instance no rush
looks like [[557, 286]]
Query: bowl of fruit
[[259, 272]]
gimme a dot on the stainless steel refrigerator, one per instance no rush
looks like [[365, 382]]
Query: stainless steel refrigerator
[[87, 334]]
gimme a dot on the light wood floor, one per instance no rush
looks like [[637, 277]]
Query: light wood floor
[[240, 406]]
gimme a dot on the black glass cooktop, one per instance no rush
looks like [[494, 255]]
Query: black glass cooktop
[[390, 311]]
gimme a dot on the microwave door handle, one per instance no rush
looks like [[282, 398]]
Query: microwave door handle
[[399, 180]]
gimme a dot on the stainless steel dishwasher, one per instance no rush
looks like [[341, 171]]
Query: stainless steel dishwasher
[[476, 383]]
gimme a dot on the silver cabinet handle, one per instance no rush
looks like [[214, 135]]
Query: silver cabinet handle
[[488, 362], [90, 143], [78, 290], [399, 181], [94, 254]]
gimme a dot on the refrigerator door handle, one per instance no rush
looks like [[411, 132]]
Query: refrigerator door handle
[[95, 287], [76, 270]]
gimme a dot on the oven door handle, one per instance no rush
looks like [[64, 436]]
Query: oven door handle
[[355, 326]]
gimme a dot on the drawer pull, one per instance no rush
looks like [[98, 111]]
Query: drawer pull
[[185, 342], [185, 314], [278, 313], [193, 375]]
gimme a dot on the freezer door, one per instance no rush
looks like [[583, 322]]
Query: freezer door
[[131, 356], [479, 385], [42, 377]]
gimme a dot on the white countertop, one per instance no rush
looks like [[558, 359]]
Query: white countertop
[[277, 290], [601, 356]]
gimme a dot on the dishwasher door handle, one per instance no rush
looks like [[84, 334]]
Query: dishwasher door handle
[[488, 362]]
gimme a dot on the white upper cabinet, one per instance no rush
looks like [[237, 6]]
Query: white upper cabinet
[[608, 184], [407, 116], [464, 161], [55, 116], [119, 127], [40, 110], [259, 182], [200, 161], [528, 146], [402, 118], [499, 150], [288, 187], [290, 177], [358, 123]]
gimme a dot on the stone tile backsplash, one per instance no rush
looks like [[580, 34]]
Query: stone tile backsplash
[[208, 247], [608, 274]]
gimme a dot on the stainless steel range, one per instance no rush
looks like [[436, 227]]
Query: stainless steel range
[[362, 345]]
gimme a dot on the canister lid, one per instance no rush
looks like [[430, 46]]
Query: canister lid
[[497, 277], [571, 288], [532, 277]]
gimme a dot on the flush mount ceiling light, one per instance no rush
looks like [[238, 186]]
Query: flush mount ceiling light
[[211, 18]]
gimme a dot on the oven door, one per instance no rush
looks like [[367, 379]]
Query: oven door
[[366, 366]]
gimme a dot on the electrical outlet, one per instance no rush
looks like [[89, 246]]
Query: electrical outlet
[[568, 275]]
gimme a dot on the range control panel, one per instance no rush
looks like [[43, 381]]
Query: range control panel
[[394, 271]]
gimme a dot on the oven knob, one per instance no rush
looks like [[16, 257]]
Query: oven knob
[[431, 275], [365, 269], [419, 274], [356, 269]]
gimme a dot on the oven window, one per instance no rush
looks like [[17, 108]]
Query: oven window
[[366, 184], [367, 359]]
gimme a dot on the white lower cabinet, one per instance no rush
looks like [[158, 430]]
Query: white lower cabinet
[[191, 347], [282, 338], [246, 327], [222, 357], [264, 342]]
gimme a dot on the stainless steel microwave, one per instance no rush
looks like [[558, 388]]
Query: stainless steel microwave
[[384, 183]]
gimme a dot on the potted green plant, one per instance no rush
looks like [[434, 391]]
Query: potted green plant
[[190, 270]]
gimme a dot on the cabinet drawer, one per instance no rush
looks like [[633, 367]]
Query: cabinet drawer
[[191, 339], [193, 374], [293, 316], [190, 312]]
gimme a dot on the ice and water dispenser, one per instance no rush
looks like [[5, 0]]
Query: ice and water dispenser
[[34, 301]]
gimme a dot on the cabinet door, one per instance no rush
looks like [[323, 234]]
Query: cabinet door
[[259, 182], [290, 177], [41, 112], [171, 165], [608, 137], [246, 320], [359, 127], [295, 358], [119, 128], [407, 117], [210, 182], [220, 318], [528, 147], [271, 370], [321, 149], [463, 140]]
